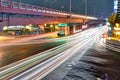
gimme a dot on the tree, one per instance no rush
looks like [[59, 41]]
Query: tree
[[112, 19]]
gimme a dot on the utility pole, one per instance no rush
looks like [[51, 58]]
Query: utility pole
[[8, 17], [94, 11], [70, 8], [45, 3], [86, 9], [20, 1], [52, 2]]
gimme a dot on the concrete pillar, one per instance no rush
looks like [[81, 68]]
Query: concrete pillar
[[8, 17]]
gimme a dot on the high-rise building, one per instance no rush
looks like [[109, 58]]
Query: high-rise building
[[118, 7], [117, 10], [115, 5], [115, 30]]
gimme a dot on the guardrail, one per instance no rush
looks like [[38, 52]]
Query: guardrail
[[115, 46]]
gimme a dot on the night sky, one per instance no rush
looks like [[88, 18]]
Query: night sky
[[99, 8]]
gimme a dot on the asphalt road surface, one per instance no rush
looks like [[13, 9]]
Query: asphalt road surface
[[90, 62], [18, 51], [97, 62]]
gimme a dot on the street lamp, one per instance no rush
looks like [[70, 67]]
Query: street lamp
[[20, 1], [45, 3], [85, 9], [70, 8], [52, 2], [94, 12]]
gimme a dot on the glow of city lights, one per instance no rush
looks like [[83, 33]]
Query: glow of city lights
[[117, 25], [45, 24], [107, 23], [5, 28], [116, 28], [29, 27], [110, 28], [56, 27], [118, 33], [51, 25], [81, 16]]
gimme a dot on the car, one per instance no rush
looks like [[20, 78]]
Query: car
[[104, 35]]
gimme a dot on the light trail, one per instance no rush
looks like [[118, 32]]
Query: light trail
[[25, 41], [65, 54], [16, 68], [101, 41]]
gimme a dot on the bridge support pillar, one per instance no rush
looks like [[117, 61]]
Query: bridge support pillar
[[8, 19]]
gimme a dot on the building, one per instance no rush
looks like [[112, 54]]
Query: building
[[114, 21], [115, 31], [115, 5], [117, 10], [70, 28]]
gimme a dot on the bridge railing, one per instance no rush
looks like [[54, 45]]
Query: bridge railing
[[23, 6], [16, 5], [29, 7], [11, 4], [4, 3]]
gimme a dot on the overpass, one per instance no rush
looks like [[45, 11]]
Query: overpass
[[15, 13]]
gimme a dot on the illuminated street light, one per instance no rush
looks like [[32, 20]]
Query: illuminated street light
[[45, 24], [5, 28], [117, 25], [51, 25]]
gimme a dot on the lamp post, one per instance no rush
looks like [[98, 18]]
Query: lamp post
[[20, 3], [45, 3], [94, 12], [51, 5], [85, 9], [70, 8]]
